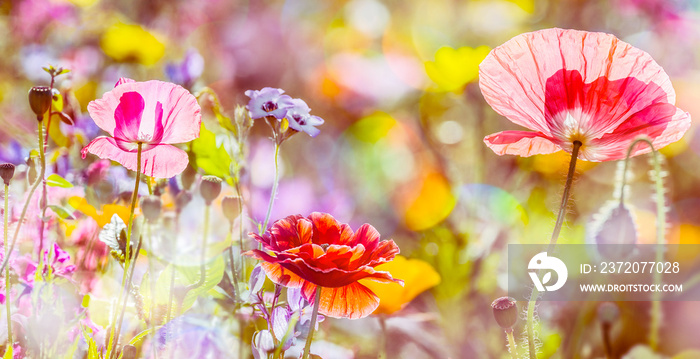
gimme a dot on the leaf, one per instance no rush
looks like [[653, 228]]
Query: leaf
[[57, 181], [217, 109], [61, 211], [65, 118], [184, 276], [213, 160], [143, 334]]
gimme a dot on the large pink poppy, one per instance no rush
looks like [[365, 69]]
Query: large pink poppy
[[153, 113], [568, 85]]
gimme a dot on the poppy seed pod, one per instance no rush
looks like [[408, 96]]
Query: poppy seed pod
[[151, 207], [210, 188], [7, 170], [505, 310], [40, 100], [229, 205]]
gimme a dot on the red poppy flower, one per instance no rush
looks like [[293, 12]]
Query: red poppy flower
[[568, 85], [301, 252]]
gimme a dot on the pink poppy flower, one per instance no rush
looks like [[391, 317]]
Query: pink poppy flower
[[154, 113], [568, 85]]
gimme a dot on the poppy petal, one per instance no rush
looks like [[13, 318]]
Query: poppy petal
[[281, 276], [161, 161], [181, 118], [521, 143], [353, 301], [662, 123], [513, 76]]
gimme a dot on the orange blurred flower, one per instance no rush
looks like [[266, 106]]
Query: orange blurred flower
[[418, 276]]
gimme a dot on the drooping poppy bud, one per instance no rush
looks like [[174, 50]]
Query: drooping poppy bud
[[151, 207], [505, 310], [210, 188], [614, 231], [229, 205], [7, 170], [40, 100]]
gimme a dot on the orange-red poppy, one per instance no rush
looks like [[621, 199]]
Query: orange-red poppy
[[318, 251]]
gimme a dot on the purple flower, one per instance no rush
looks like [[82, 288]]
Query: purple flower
[[300, 119], [188, 71], [268, 102]]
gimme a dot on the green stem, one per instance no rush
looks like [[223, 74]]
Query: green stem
[[530, 325], [656, 312], [42, 172], [126, 296], [383, 339], [511, 344], [273, 192], [240, 228], [232, 262], [312, 325], [127, 250], [44, 143], [152, 284], [7, 270], [203, 255]]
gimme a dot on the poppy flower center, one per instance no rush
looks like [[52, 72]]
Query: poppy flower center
[[269, 106]]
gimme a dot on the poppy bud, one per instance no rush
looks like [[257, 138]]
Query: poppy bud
[[229, 205], [151, 207], [32, 174], [40, 100], [187, 177], [608, 312], [7, 170], [615, 225], [129, 352], [182, 200], [505, 310], [210, 188]]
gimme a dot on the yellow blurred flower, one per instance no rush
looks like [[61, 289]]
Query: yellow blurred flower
[[132, 43], [454, 68], [418, 276], [433, 203], [102, 217]]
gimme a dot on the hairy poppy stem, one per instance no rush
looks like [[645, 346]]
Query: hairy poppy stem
[[273, 192], [127, 254], [511, 344], [7, 270], [42, 172], [655, 321], [552, 243], [312, 325]]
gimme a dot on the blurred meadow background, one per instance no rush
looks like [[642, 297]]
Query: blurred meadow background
[[401, 148]]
